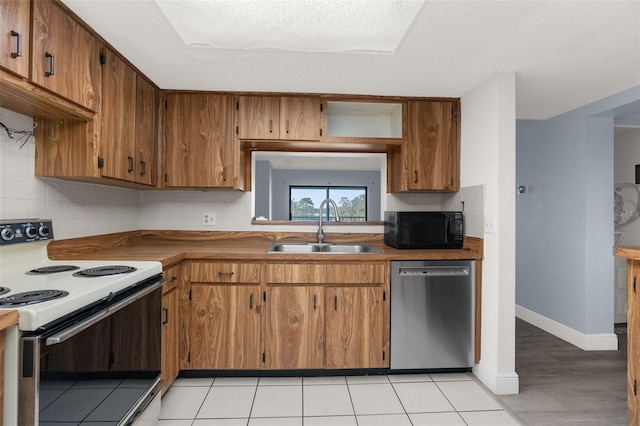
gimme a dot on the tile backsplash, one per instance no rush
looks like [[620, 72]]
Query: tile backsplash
[[82, 209], [77, 209], [470, 200]]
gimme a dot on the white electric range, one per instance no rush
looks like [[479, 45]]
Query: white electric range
[[62, 305]]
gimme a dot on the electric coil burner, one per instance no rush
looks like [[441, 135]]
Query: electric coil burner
[[53, 269], [31, 297], [102, 271]]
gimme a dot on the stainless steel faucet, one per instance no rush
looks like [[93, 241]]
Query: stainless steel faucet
[[335, 208]]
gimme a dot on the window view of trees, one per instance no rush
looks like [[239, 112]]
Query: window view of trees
[[305, 201]]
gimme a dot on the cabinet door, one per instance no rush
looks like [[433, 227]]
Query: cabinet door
[[258, 117], [633, 342], [199, 141], [225, 326], [294, 331], [355, 328], [146, 123], [118, 137], [300, 118], [170, 361], [65, 56], [15, 22], [431, 151]]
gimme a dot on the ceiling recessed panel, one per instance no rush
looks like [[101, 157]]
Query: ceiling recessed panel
[[292, 25]]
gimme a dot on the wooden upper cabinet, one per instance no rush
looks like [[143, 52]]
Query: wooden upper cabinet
[[300, 119], [118, 138], [65, 56], [200, 147], [258, 117], [430, 155], [278, 118], [15, 22], [146, 123], [129, 123]]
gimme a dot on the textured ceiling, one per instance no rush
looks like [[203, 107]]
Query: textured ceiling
[[565, 53]]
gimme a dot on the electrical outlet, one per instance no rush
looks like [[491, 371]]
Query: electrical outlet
[[209, 219], [490, 225]]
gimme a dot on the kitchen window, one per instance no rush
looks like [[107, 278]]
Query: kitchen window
[[304, 202]]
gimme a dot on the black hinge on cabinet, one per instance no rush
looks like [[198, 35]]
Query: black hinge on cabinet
[[264, 358], [103, 58], [264, 296], [100, 162]]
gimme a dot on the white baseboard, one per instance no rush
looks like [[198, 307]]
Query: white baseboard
[[587, 342], [500, 383]]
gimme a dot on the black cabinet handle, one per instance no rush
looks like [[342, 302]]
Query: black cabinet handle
[[287, 126], [415, 173], [143, 168], [131, 164], [270, 126], [228, 274], [52, 63], [224, 174], [18, 51], [251, 301], [335, 303], [315, 299], [165, 311]]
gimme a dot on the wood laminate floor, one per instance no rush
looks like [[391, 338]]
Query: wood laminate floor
[[561, 384]]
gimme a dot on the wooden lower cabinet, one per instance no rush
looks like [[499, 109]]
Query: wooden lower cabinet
[[322, 315], [633, 340], [294, 332], [354, 326], [170, 321], [224, 316], [225, 326]]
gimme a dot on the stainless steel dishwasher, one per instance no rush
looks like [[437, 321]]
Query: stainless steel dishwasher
[[432, 314]]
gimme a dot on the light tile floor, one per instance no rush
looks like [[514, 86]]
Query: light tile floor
[[393, 400]]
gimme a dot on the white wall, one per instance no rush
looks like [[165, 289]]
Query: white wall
[[565, 263], [77, 209], [488, 158]]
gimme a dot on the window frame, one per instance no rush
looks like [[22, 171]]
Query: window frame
[[328, 188]]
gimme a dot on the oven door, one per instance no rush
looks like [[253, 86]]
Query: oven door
[[103, 368]]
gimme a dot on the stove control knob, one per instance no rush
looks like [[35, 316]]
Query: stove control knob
[[43, 231], [31, 232], [7, 234]]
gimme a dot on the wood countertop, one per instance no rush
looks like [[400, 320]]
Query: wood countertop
[[8, 318], [170, 247], [630, 252]]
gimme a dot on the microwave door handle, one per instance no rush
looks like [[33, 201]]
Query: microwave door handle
[[76, 329]]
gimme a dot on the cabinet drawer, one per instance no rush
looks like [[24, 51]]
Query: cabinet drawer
[[326, 273], [223, 272]]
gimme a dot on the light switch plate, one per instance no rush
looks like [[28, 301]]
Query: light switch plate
[[490, 225], [209, 219]]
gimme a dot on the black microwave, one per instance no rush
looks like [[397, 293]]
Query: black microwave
[[423, 230]]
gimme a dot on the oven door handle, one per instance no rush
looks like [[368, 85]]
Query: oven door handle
[[69, 332]]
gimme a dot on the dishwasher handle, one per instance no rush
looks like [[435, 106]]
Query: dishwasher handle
[[435, 271]]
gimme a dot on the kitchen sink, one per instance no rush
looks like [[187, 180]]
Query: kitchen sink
[[320, 248]]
